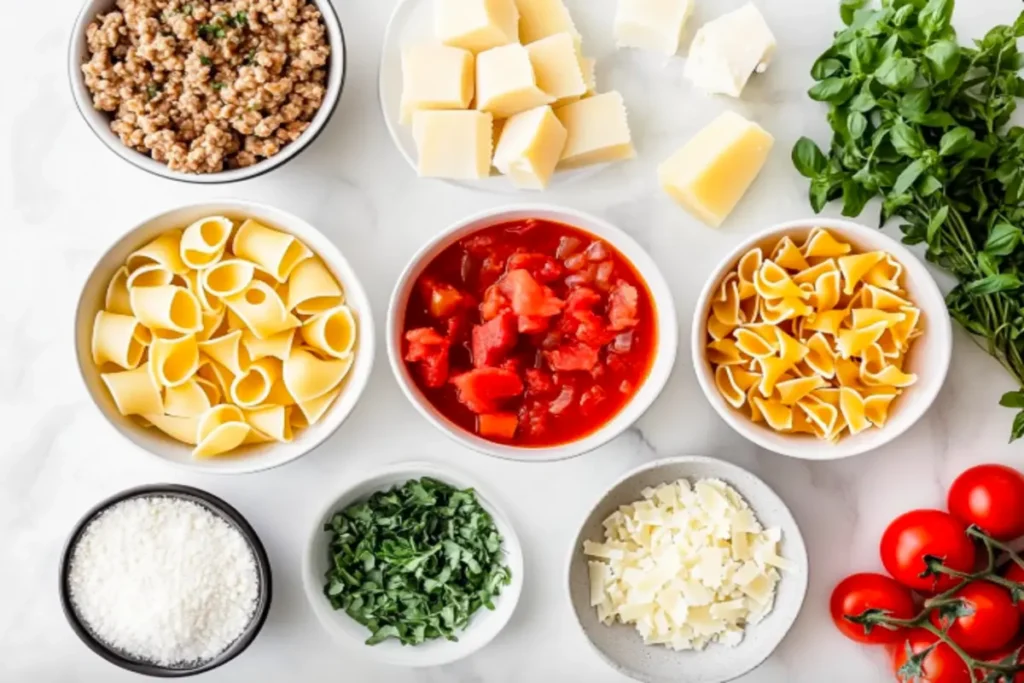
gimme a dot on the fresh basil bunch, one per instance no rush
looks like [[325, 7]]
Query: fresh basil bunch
[[922, 122]]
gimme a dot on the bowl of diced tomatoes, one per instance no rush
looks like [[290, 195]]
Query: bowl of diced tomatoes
[[532, 333]]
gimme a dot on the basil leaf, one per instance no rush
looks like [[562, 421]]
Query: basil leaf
[[825, 67], [936, 222], [943, 59], [909, 176], [833, 90], [1012, 399], [1018, 427], [897, 73], [935, 17], [1003, 240], [987, 264], [856, 123], [808, 158], [956, 141], [847, 9], [1002, 282], [907, 140]]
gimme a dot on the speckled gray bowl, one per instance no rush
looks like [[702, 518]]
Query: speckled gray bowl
[[622, 647]]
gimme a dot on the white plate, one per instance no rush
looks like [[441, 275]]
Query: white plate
[[483, 626], [413, 22], [621, 646]]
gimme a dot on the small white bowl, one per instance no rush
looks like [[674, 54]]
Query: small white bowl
[[252, 458], [929, 355], [664, 306], [99, 121], [621, 646], [484, 624]]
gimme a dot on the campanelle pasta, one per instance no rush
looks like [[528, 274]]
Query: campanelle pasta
[[813, 338], [221, 336]]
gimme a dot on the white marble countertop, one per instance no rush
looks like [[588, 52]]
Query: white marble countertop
[[64, 199]]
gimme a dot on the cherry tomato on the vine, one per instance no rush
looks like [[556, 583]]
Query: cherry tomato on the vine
[[860, 592], [941, 665], [992, 497], [918, 533], [993, 621], [1016, 573]]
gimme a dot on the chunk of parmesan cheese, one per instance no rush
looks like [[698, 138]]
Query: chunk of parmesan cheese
[[687, 565]]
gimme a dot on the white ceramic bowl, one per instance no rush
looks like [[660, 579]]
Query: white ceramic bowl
[[99, 121], [665, 349], [250, 458], [622, 647], [929, 356], [484, 624]]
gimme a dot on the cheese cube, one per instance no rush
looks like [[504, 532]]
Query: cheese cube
[[505, 82], [542, 18], [476, 25], [436, 77], [651, 24], [726, 51], [589, 68], [556, 65], [598, 131], [713, 171], [453, 144], [529, 148]]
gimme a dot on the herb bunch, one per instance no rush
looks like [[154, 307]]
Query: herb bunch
[[415, 562], [949, 608], [922, 122]]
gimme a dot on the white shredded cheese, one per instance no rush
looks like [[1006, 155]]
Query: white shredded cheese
[[686, 566], [164, 580]]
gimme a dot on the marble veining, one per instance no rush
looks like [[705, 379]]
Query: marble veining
[[64, 198]]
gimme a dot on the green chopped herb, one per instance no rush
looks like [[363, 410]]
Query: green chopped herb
[[187, 9], [240, 19], [210, 31], [205, 61], [250, 57], [414, 562], [152, 90], [217, 85]]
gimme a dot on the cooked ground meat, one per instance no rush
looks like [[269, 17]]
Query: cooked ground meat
[[204, 86]]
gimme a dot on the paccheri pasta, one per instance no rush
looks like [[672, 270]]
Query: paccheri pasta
[[813, 338], [221, 336]]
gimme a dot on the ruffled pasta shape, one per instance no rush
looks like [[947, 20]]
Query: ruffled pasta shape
[[199, 325], [812, 339], [203, 242], [276, 252]]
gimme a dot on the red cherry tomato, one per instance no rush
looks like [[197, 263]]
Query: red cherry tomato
[[941, 665], [915, 534], [992, 497], [1016, 573], [993, 623], [861, 592]]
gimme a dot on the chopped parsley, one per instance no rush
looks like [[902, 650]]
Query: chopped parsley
[[217, 85], [210, 31], [187, 9], [205, 61], [250, 57], [153, 89]]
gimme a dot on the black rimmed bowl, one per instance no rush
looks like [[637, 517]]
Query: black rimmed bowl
[[219, 508], [99, 121]]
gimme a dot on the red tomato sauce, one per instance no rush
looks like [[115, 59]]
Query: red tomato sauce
[[531, 333]]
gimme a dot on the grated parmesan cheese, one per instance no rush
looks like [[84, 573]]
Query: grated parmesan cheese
[[687, 566], [164, 580]]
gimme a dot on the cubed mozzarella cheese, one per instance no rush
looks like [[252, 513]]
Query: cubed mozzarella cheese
[[505, 82], [712, 172], [453, 144], [476, 25], [436, 77], [556, 65], [727, 50], [598, 131], [651, 24], [542, 18]]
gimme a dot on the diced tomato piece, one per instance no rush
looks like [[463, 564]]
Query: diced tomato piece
[[513, 365], [430, 350], [581, 299], [442, 299], [534, 418], [539, 382], [497, 425], [543, 268], [529, 297], [457, 328], [591, 398], [494, 339], [494, 304], [591, 329], [623, 304], [533, 324], [481, 390], [479, 245], [572, 357]]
